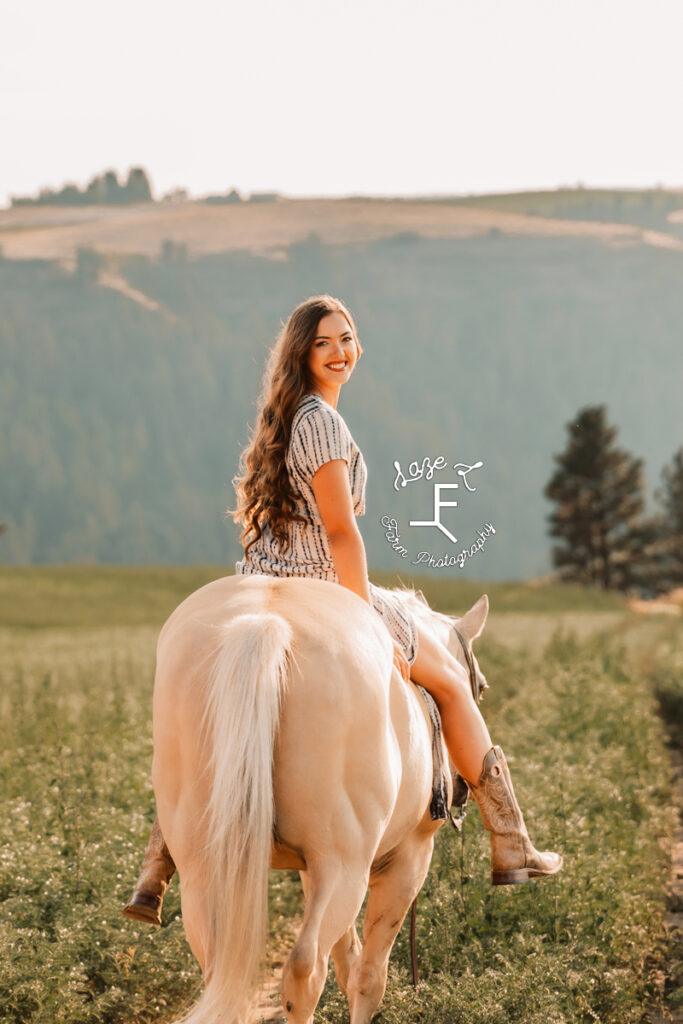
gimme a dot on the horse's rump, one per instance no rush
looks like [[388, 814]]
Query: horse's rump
[[292, 680]]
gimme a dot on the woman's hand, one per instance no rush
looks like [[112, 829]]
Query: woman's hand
[[401, 662]]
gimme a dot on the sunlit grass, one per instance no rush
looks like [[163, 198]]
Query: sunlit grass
[[71, 595], [577, 715]]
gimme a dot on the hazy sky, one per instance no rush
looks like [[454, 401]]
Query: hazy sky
[[366, 96]]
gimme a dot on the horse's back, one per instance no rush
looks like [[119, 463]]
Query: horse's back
[[323, 616]]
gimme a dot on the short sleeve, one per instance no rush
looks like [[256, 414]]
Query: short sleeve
[[320, 436]]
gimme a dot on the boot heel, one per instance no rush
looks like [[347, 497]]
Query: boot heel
[[145, 907], [157, 871], [513, 877]]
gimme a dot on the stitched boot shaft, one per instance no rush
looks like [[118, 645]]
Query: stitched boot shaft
[[513, 856], [157, 871]]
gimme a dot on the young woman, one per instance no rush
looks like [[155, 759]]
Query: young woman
[[302, 486]]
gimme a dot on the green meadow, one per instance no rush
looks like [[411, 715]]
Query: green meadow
[[584, 697]]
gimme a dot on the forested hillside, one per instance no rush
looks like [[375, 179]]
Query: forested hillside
[[122, 415]]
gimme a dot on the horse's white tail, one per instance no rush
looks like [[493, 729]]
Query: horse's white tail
[[241, 715]]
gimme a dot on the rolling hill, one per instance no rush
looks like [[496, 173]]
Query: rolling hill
[[132, 341]]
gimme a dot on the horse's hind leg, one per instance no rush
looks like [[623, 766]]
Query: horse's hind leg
[[391, 893], [334, 896], [344, 952], [196, 921]]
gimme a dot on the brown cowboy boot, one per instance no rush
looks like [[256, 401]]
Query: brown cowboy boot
[[157, 871], [513, 857]]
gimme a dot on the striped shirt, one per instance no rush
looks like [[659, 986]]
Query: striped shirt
[[319, 435]]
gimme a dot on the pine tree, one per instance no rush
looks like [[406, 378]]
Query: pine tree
[[96, 192], [670, 495], [598, 491], [137, 188], [111, 186]]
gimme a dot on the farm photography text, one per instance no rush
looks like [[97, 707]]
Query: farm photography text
[[442, 499]]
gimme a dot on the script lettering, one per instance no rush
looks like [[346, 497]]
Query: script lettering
[[417, 470]]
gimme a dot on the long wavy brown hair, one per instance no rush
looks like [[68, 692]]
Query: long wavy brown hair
[[265, 493]]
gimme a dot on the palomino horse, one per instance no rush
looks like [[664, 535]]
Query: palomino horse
[[284, 737]]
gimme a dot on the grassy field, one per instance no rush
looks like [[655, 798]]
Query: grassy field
[[576, 686], [35, 597]]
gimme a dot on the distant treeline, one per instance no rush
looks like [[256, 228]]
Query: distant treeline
[[604, 537], [102, 189], [106, 189], [642, 207], [648, 208]]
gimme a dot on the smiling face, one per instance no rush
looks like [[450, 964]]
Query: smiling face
[[332, 356]]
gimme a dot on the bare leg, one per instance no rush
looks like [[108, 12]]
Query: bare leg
[[513, 857], [464, 729]]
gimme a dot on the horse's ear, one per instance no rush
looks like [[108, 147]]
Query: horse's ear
[[473, 621]]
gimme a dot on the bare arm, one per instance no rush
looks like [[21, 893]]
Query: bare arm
[[333, 496], [335, 503]]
